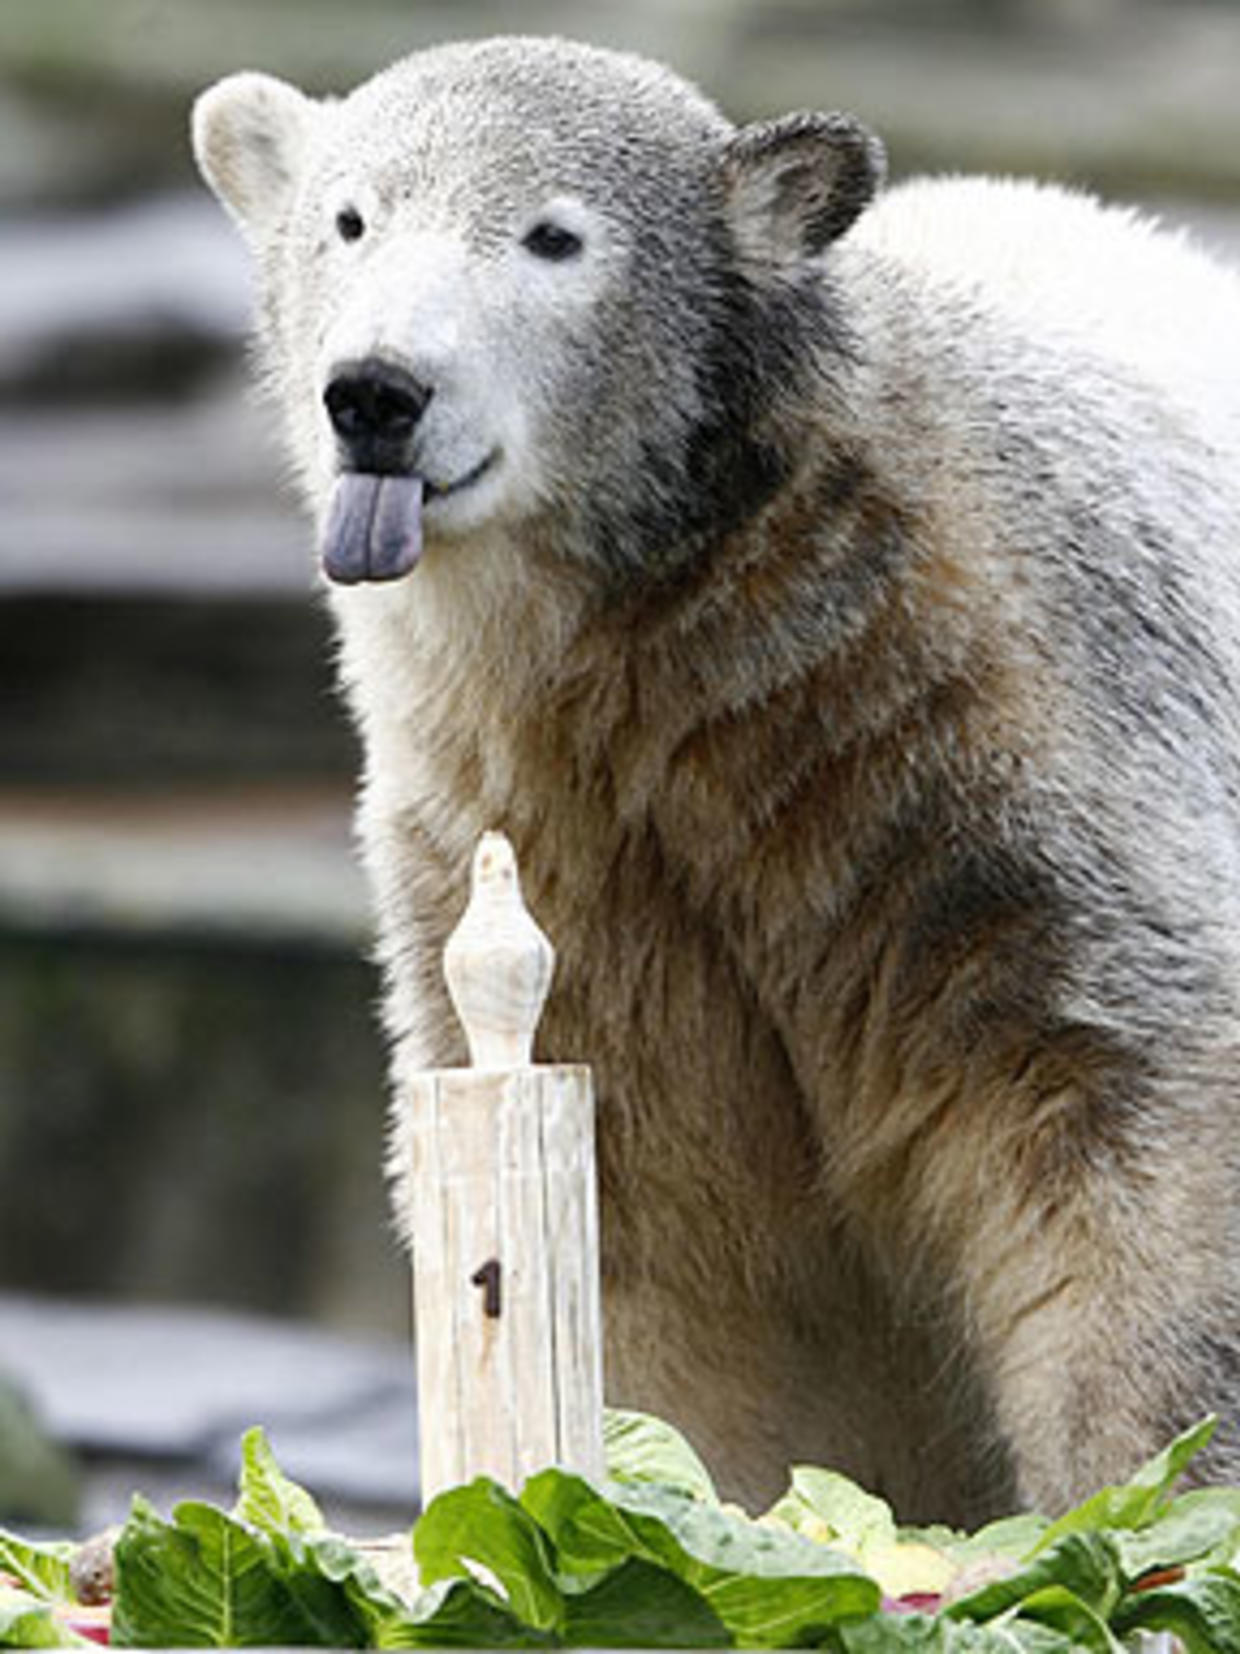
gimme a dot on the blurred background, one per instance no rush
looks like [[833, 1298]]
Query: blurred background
[[193, 1230]]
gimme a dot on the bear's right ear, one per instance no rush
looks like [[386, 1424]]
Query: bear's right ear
[[793, 185], [249, 131]]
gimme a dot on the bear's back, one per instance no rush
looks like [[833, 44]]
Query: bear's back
[[1057, 268]]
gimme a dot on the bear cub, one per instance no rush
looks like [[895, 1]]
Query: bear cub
[[834, 593]]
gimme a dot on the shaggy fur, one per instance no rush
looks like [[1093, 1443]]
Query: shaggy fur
[[850, 644]]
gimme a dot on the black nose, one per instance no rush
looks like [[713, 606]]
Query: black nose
[[374, 408]]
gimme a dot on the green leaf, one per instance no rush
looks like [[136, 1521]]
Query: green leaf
[[822, 1499], [28, 1621], [1199, 1524], [41, 1570], [338, 1594], [1203, 1612], [337, 1590], [920, 1634], [1086, 1564], [268, 1499], [1025, 1636], [831, 1510], [1137, 1502], [483, 1524], [770, 1588], [201, 1583], [640, 1448], [649, 1562], [1011, 1536], [459, 1613], [207, 1581], [889, 1634], [33, 1609], [639, 1605], [1063, 1611], [590, 1534]]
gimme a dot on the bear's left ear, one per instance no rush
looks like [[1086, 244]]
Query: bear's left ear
[[793, 185], [249, 131]]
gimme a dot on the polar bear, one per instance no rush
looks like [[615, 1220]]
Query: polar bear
[[834, 593]]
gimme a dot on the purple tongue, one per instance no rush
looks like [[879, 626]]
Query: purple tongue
[[374, 528]]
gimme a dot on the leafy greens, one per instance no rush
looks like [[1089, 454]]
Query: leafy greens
[[653, 1559]]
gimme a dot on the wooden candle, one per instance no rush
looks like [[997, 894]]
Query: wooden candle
[[505, 1219]]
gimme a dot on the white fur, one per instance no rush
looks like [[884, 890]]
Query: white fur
[[956, 692], [1058, 266]]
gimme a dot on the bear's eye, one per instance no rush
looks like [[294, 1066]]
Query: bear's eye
[[551, 241], [350, 225]]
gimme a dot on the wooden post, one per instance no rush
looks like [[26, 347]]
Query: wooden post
[[505, 1224]]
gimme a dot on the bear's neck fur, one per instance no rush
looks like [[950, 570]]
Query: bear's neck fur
[[778, 346]]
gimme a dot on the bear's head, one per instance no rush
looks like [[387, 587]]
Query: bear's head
[[530, 286]]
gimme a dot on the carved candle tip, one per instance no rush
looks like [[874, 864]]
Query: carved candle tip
[[494, 863], [497, 962]]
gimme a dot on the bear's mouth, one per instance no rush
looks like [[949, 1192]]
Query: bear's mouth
[[436, 491], [374, 522]]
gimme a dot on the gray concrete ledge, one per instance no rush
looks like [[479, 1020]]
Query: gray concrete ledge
[[251, 865], [156, 1401]]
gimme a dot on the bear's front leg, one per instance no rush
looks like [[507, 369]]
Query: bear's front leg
[[1100, 1300]]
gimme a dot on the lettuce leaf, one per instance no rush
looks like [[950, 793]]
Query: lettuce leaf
[[207, 1580], [825, 1505], [458, 1613], [922, 1634], [1059, 1609], [1204, 1613], [479, 1533], [35, 1592], [1200, 1524], [640, 1448], [482, 1526], [1140, 1500], [28, 1621], [1010, 1536], [644, 1562], [267, 1499], [202, 1581], [768, 1588], [40, 1570], [1086, 1564], [640, 1605]]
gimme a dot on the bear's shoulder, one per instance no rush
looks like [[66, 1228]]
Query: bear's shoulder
[[1043, 241], [1056, 268]]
